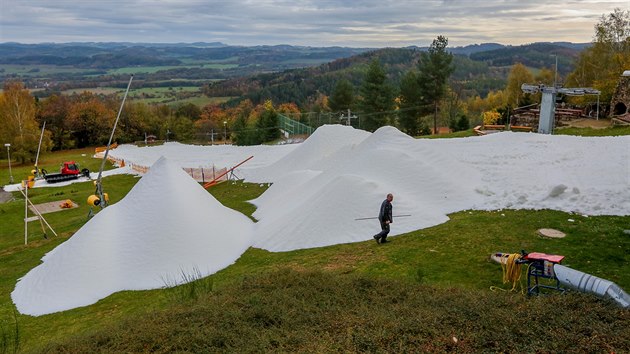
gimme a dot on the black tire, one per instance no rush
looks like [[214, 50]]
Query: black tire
[[43, 171]]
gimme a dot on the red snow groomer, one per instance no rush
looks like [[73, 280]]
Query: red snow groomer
[[69, 170]]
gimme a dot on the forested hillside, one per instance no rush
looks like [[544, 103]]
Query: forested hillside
[[475, 74]]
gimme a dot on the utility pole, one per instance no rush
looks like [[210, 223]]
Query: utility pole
[[348, 117], [555, 74], [224, 132], [8, 146]]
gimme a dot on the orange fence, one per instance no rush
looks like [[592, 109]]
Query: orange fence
[[202, 175], [103, 148]]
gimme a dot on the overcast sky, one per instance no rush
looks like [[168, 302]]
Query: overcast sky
[[371, 23]]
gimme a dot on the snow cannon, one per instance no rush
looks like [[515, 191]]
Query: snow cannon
[[542, 266], [94, 200]]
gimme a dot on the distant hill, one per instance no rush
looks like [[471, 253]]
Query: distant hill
[[283, 73], [537, 55], [120, 55], [479, 69]]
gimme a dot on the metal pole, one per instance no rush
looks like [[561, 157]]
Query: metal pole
[[26, 213], [99, 189], [555, 74], [9, 157], [597, 108], [38, 149]]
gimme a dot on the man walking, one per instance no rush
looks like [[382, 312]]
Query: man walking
[[386, 218]]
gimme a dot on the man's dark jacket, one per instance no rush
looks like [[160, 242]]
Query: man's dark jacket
[[386, 212]]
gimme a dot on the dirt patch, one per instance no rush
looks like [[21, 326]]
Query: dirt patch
[[5, 196], [52, 207]]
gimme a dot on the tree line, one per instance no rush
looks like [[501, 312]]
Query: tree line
[[86, 119]]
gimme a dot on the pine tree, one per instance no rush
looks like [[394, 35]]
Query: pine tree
[[377, 98], [342, 96], [434, 69], [268, 123], [409, 112]]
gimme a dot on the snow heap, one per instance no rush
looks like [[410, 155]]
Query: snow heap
[[306, 208], [168, 225], [194, 156], [315, 202], [167, 230]]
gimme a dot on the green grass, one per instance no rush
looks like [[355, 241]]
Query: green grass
[[154, 69], [200, 101], [95, 90], [321, 312], [413, 294], [460, 134], [42, 70], [612, 131], [230, 60]]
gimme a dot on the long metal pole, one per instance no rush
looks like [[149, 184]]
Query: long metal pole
[[99, 189], [555, 74], [26, 213], [597, 108], [376, 217], [38, 149], [9, 156]]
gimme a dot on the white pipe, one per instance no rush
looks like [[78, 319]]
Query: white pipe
[[591, 284]]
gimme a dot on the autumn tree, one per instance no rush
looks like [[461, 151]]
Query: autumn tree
[[54, 110], [134, 122], [377, 98], [18, 126], [212, 120], [180, 128], [601, 64], [188, 110], [514, 95], [434, 69], [290, 110], [90, 120], [545, 76], [318, 103]]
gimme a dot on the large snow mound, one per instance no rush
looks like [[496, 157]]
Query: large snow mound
[[316, 199], [167, 230]]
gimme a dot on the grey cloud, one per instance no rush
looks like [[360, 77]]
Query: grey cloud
[[372, 23]]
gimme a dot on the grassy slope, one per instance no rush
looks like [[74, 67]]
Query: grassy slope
[[437, 262], [613, 131]]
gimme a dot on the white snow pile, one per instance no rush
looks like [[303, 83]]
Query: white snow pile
[[314, 202], [168, 225], [194, 156], [167, 230]]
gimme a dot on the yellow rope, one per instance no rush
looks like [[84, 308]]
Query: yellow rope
[[511, 269]]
